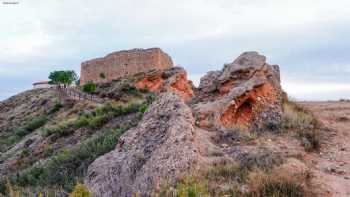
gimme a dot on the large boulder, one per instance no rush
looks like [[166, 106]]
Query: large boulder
[[159, 149], [244, 94]]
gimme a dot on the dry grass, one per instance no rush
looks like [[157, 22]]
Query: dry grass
[[275, 185], [300, 121], [235, 181]]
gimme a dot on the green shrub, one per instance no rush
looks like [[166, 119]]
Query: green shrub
[[98, 121], [143, 108], [62, 129], [21, 132], [82, 121], [55, 108], [36, 123], [89, 87]]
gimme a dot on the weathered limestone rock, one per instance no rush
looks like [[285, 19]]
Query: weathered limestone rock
[[124, 63], [161, 148], [245, 94], [174, 139], [173, 80]]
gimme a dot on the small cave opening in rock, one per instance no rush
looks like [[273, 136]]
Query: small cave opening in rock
[[244, 112], [238, 116]]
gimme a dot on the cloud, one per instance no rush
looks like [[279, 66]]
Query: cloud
[[308, 38]]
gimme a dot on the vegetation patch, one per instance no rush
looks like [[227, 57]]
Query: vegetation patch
[[89, 87], [94, 119], [300, 121], [19, 133], [80, 190], [67, 167], [231, 180], [276, 185]]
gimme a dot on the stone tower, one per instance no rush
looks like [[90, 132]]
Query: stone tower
[[124, 63]]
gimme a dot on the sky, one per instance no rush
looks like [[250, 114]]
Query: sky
[[309, 39]]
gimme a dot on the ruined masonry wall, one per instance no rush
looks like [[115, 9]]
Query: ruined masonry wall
[[124, 63]]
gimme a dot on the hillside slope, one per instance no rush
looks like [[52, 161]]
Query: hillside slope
[[47, 142], [155, 134]]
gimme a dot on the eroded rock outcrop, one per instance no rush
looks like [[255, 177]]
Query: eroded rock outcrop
[[174, 137], [245, 94], [173, 79], [161, 148]]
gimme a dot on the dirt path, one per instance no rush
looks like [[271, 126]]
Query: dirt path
[[332, 164]]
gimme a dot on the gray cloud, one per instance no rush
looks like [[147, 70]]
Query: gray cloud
[[308, 38]]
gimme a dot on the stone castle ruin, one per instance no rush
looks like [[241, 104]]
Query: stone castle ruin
[[124, 63]]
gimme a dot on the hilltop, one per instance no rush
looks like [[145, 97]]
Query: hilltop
[[153, 133]]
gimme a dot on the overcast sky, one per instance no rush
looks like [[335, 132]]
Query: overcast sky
[[309, 39]]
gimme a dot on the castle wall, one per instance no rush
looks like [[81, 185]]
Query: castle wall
[[124, 63]]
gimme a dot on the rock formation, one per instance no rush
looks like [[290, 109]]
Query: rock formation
[[174, 137], [124, 63], [245, 94], [173, 79], [160, 148]]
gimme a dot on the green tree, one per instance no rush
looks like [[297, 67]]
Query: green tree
[[89, 87], [62, 77]]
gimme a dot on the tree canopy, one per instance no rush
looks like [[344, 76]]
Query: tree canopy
[[63, 77]]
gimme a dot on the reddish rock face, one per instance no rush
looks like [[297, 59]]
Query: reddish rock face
[[153, 84], [172, 80], [246, 93], [124, 63], [245, 107]]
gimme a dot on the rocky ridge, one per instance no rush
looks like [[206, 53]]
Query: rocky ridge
[[177, 135], [155, 134]]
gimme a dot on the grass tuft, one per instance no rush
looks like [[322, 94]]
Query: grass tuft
[[300, 121]]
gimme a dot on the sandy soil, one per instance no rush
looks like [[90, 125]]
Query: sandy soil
[[331, 166]]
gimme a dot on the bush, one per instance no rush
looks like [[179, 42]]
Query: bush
[[36, 123], [89, 87], [62, 129], [82, 121], [80, 190], [55, 108], [143, 108], [98, 121]]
